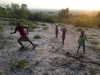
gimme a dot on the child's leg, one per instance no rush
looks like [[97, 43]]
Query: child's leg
[[63, 41], [20, 43], [32, 44], [56, 35], [84, 49], [78, 48]]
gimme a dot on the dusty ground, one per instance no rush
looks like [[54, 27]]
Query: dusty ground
[[52, 57]]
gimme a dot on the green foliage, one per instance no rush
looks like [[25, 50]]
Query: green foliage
[[11, 27], [37, 36], [94, 42], [45, 27], [35, 22], [31, 27], [18, 63], [64, 13], [10, 37], [79, 29], [95, 48], [43, 24], [37, 63], [92, 72], [1, 28], [25, 48], [90, 37]]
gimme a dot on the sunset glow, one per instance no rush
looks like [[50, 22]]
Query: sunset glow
[[57, 4]]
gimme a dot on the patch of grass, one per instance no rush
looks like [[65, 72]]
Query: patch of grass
[[10, 37], [43, 24], [90, 37], [94, 42], [1, 28], [25, 48], [36, 23], [12, 28], [37, 63], [18, 63], [37, 36], [45, 27], [30, 29], [95, 48], [79, 29], [92, 72]]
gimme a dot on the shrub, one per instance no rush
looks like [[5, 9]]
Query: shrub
[[95, 48], [1, 28], [37, 63], [18, 63], [37, 36], [90, 37], [43, 24], [45, 27], [25, 48], [94, 42], [11, 27], [79, 29]]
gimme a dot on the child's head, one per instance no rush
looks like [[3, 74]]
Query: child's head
[[82, 32], [18, 24]]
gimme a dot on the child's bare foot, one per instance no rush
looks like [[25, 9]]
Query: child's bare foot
[[21, 48], [33, 47]]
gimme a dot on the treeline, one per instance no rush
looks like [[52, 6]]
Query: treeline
[[15, 11]]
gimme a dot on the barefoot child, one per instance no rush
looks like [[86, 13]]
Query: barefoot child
[[81, 41], [23, 34], [64, 30], [56, 31]]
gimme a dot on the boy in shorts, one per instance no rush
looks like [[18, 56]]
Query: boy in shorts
[[23, 34], [81, 41]]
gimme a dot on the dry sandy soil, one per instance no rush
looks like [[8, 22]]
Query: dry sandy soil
[[50, 56]]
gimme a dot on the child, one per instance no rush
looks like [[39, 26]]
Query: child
[[64, 30], [56, 31], [23, 34], [81, 41]]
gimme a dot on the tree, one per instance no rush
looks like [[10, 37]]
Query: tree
[[63, 13], [98, 15]]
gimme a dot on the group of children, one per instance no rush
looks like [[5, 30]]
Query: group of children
[[81, 40], [24, 36]]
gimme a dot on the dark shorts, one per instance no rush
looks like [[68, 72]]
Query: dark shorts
[[82, 44], [23, 38], [63, 37]]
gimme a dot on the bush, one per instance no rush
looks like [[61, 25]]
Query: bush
[[43, 24], [37, 36], [45, 27], [1, 28], [94, 42], [95, 48], [79, 29], [18, 63]]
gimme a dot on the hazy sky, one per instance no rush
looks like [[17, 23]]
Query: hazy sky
[[57, 4]]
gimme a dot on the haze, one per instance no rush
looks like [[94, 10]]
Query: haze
[[57, 4]]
